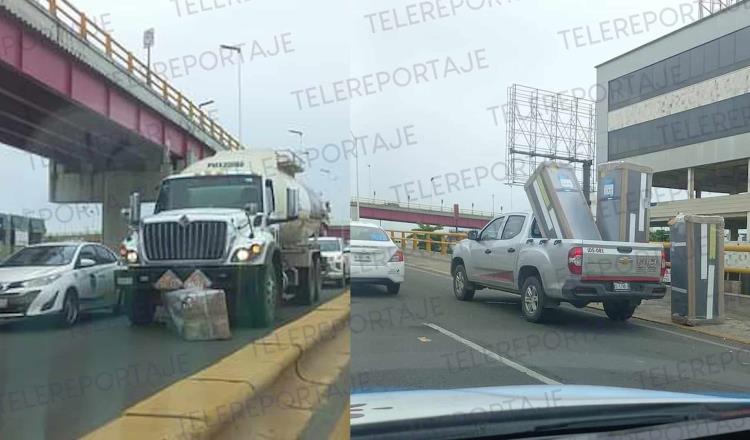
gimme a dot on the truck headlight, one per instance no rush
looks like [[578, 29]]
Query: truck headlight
[[131, 257], [246, 254], [38, 282]]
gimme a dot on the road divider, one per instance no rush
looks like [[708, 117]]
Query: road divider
[[270, 388]]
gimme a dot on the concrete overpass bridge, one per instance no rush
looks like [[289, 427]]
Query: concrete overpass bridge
[[453, 216], [71, 93]]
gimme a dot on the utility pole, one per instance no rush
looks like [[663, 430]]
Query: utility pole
[[148, 43]]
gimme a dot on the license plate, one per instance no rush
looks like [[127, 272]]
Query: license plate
[[126, 281], [620, 287], [3, 303], [362, 258]]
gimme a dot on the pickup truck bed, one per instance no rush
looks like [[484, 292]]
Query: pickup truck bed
[[509, 254]]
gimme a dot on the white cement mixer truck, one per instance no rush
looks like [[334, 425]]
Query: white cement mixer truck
[[239, 221]]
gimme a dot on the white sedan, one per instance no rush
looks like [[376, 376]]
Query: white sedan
[[375, 259], [59, 280]]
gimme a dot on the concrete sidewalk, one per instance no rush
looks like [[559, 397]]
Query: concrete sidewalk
[[736, 325]]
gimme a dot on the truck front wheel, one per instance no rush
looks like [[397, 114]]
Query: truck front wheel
[[141, 308], [263, 305], [619, 310], [533, 300]]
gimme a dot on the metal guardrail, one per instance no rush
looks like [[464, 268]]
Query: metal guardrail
[[418, 238], [424, 207], [87, 30]]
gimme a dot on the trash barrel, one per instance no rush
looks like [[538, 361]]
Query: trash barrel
[[557, 199], [623, 200], [697, 257]]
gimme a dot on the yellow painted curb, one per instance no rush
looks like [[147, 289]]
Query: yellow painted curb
[[270, 387]]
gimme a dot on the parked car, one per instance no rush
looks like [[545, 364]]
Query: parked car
[[375, 259], [59, 280], [336, 259], [510, 254]]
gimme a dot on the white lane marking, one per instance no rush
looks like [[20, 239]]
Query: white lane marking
[[429, 271], [516, 366], [638, 323]]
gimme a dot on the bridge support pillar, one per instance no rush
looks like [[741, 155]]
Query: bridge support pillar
[[110, 188]]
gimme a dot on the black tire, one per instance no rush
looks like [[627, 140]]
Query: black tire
[[142, 308], [117, 308], [462, 288], [394, 288], [308, 291], [619, 310], [70, 311], [533, 300], [263, 304]]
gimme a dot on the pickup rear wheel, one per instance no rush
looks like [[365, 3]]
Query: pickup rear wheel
[[462, 288], [533, 300], [619, 310]]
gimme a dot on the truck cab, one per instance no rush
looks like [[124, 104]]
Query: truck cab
[[238, 221]]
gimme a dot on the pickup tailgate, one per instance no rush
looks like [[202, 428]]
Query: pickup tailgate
[[621, 261]]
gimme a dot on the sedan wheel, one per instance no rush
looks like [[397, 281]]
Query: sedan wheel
[[70, 311]]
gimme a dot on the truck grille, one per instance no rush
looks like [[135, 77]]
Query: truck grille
[[200, 240]]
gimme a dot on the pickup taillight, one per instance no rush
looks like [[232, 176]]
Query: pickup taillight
[[663, 263], [397, 257], [575, 260]]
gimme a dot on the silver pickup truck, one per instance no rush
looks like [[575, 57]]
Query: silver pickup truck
[[510, 254]]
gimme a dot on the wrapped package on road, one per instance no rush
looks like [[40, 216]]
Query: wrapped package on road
[[557, 199], [198, 314], [697, 257], [623, 201]]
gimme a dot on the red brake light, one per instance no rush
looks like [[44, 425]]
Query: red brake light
[[397, 257], [575, 260], [663, 263]]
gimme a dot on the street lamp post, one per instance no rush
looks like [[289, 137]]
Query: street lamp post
[[148, 43], [237, 49], [369, 178]]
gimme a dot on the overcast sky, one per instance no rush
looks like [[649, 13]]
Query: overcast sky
[[414, 82]]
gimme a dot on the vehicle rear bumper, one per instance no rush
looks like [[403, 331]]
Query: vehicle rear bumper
[[390, 273], [597, 291]]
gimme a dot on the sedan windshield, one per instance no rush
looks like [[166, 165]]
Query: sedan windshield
[[368, 234], [329, 245], [235, 192], [42, 256]]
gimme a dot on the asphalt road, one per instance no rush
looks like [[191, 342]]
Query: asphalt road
[[63, 383], [424, 338]]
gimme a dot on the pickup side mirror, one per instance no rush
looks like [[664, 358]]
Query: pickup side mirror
[[86, 262], [133, 213], [473, 235]]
